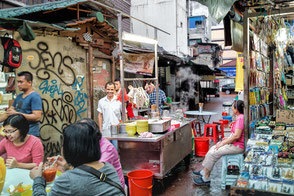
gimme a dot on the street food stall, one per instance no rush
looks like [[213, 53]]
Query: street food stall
[[161, 143], [159, 153]]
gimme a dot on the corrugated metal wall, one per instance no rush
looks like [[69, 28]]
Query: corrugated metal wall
[[125, 6]]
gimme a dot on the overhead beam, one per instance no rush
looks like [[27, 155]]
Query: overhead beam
[[280, 12]]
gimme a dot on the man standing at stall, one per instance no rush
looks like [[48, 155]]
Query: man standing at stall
[[126, 97], [109, 110], [151, 90], [28, 103]]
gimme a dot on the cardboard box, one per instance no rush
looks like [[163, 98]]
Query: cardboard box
[[285, 116]]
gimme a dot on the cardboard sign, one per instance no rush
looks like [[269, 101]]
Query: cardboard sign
[[285, 116]]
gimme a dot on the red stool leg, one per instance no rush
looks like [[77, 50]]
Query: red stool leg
[[205, 131], [215, 133], [198, 128], [222, 130]]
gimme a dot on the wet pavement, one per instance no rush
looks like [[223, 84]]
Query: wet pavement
[[179, 181]]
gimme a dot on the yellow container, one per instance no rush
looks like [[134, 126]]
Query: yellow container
[[2, 173], [142, 126], [131, 129]]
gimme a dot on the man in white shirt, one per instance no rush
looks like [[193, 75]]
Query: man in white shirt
[[109, 110]]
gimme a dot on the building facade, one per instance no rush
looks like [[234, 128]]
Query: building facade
[[168, 15]]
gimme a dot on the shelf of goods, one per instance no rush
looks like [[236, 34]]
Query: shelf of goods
[[269, 164], [259, 86]]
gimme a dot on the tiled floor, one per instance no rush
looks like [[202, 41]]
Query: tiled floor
[[179, 181]]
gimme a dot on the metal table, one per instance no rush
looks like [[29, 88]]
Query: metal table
[[158, 154], [198, 114]]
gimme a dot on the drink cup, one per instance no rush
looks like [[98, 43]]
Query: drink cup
[[49, 174], [200, 109]]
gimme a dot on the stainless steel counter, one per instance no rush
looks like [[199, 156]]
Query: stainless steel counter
[[157, 136], [158, 154]]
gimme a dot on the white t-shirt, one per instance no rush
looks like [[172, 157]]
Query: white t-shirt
[[111, 111]]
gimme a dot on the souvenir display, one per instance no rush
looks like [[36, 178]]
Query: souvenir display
[[269, 164]]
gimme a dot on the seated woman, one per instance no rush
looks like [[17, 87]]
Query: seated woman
[[231, 145], [23, 150], [108, 152], [80, 148]]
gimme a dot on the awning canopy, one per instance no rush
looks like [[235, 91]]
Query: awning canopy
[[56, 16]]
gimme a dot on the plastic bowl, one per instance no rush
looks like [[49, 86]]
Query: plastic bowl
[[131, 129]]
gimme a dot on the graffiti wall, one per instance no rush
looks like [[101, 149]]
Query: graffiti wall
[[59, 69]]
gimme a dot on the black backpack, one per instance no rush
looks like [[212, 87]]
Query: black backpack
[[12, 52]]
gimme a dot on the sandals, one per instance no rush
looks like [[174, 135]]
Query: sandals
[[200, 182], [197, 173]]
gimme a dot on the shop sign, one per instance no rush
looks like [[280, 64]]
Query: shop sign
[[139, 63]]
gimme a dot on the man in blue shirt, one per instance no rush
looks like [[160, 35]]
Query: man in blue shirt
[[151, 90], [28, 103]]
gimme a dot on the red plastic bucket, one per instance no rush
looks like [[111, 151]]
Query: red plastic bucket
[[201, 146], [140, 182]]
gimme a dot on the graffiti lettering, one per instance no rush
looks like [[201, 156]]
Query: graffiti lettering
[[80, 97], [81, 59], [62, 110], [59, 111], [51, 148], [52, 88], [47, 64]]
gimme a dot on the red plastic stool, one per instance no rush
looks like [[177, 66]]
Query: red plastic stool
[[224, 114], [221, 123], [196, 127], [214, 134], [226, 122]]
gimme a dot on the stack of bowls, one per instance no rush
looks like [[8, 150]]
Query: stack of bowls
[[142, 126], [131, 129]]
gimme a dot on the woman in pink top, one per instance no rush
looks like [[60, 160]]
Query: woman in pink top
[[108, 151], [23, 150], [231, 145]]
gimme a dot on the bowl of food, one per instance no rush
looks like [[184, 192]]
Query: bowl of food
[[20, 190]]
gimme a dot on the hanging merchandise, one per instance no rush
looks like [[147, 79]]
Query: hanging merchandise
[[12, 52], [10, 84]]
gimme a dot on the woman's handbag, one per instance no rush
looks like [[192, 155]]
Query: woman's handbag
[[102, 176]]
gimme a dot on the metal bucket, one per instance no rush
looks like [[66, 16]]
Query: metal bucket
[[114, 129]]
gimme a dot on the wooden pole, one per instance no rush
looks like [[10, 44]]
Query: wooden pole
[[246, 73]]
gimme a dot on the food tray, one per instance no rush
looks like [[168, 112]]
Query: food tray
[[159, 126]]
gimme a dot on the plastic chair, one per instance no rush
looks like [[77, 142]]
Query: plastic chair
[[231, 167], [221, 130], [213, 134]]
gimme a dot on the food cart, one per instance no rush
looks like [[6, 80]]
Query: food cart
[[160, 153], [166, 148]]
